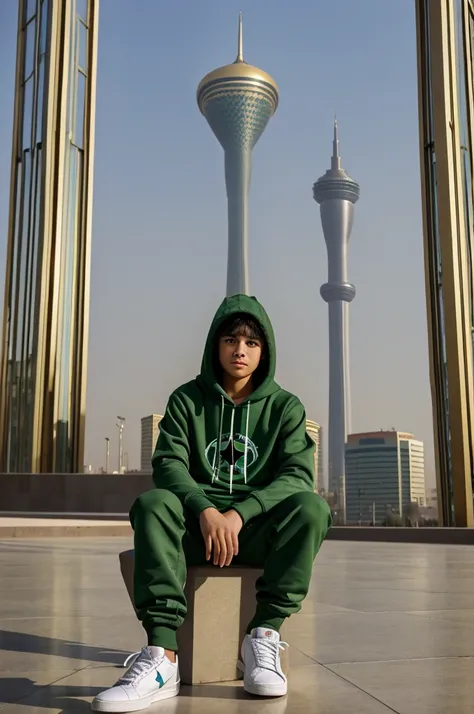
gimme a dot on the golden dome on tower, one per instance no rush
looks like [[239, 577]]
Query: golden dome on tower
[[229, 75]]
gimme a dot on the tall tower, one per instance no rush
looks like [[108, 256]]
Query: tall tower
[[337, 192], [238, 100], [43, 363]]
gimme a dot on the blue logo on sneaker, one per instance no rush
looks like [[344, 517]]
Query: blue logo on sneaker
[[159, 679]]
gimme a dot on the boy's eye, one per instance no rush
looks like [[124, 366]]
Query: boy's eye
[[252, 343]]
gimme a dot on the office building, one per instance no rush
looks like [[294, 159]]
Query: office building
[[316, 433], [238, 100], [385, 472], [336, 192], [150, 432], [445, 40], [43, 365]]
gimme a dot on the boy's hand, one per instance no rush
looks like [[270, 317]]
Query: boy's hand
[[220, 534], [235, 522]]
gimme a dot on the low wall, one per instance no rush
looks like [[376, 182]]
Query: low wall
[[115, 494], [446, 536], [76, 493]]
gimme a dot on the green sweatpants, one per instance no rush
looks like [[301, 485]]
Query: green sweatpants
[[168, 538]]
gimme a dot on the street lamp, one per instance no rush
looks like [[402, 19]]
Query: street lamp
[[120, 426], [360, 491], [107, 454]]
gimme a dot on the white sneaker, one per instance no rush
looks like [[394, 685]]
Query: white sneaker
[[263, 675], [149, 679]]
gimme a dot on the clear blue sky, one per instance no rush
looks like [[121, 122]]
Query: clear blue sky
[[159, 232]]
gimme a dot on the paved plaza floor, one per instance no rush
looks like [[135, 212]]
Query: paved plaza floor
[[386, 628]]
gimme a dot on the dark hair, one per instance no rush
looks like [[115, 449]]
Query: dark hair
[[241, 324]]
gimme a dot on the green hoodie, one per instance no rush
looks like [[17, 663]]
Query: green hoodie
[[265, 453]]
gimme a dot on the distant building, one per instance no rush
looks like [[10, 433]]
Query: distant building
[[384, 472], [150, 431], [315, 431]]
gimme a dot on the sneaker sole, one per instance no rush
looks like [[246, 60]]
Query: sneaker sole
[[259, 690], [265, 690], [135, 706]]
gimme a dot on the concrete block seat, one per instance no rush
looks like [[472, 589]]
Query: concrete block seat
[[221, 603]]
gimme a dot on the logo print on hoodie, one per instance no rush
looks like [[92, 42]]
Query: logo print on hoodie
[[232, 453]]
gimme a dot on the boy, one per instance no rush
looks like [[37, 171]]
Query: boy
[[234, 476]]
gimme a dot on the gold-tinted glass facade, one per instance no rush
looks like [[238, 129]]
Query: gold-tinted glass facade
[[445, 36], [44, 357]]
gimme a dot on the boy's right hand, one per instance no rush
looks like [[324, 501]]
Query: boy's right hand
[[218, 537]]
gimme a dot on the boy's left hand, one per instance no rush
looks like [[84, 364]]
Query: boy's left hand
[[235, 523]]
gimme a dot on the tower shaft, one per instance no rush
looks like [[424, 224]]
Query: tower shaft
[[237, 179], [339, 394], [337, 217]]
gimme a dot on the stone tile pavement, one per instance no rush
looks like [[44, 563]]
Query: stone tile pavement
[[385, 628]]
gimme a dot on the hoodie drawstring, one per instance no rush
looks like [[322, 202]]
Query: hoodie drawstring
[[246, 441], [217, 452], [231, 441], [216, 461]]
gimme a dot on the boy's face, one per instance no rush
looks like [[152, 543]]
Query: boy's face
[[239, 356]]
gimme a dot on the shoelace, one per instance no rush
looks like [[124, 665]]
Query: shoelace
[[139, 666], [133, 656], [266, 652]]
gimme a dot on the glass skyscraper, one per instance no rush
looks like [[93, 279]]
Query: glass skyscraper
[[45, 325], [445, 36]]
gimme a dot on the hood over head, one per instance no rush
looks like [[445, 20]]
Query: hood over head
[[233, 306]]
